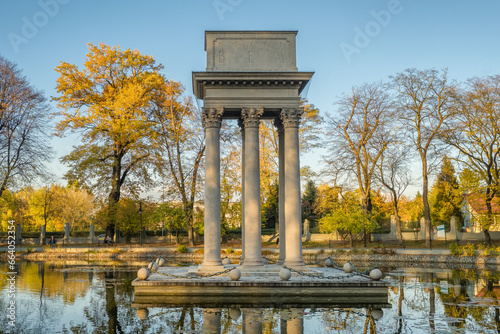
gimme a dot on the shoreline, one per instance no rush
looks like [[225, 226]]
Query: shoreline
[[410, 257]]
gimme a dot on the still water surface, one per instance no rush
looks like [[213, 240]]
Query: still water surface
[[87, 297]]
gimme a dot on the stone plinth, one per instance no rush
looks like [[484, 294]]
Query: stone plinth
[[266, 289]]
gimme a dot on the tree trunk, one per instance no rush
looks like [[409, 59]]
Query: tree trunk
[[189, 209], [427, 209], [399, 230], [367, 209], [489, 215], [191, 235], [113, 198], [4, 185]]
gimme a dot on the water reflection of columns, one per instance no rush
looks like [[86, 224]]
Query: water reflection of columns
[[251, 210], [211, 121], [252, 321], [212, 323], [292, 321], [296, 323]]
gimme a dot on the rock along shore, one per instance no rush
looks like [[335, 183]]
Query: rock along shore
[[407, 257]]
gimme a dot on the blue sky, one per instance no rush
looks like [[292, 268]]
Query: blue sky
[[346, 43]]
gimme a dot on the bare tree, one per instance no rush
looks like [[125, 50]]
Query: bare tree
[[24, 115], [181, 139], [359, 134], [394, 174], [475, 133], [424, 108]]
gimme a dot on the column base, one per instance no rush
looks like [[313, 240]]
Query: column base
[[250, 263], [294, 264], [211, 264], [207, 269]]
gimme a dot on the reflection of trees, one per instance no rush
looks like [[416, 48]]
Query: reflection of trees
[[230, 322], [429, 278], [111, 307], [369, 323], [348, 320], [458, 305], [400, 305]]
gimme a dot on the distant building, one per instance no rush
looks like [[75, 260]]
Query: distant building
[[474, 209]]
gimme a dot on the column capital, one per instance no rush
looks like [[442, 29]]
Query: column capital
[[212, 117], [251, 116], [291, 117]]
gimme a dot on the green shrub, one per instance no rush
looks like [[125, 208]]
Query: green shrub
[[455, 249], [79, 234], [182, 249], [229, 250], [469, 249], [492, 251], [268, 231]]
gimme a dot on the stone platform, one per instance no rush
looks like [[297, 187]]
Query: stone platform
[[322, 287]]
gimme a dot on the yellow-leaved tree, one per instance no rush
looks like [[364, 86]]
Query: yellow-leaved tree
[[110, 103]]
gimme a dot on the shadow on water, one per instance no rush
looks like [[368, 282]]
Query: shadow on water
[[84, 297]]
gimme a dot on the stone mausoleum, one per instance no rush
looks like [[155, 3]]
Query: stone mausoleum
[[252, 76]]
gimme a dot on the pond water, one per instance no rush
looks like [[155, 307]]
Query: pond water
[[89, 297]]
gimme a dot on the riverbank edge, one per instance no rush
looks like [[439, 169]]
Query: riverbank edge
[[310, 256]]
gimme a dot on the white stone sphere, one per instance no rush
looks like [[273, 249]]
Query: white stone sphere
[[226, 260], [143, 274], [377, 313], [376, 274], [142, 313], [153, 266], [235, 274], [265, 261], [348, 267], [329, 262], [285, 274], [160, 261]]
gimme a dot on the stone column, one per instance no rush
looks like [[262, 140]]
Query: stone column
[[67, 233], [293, 214], [92, 233], [18, 236], [242, 227], [251, 210], [281, 181], [211, 121]]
